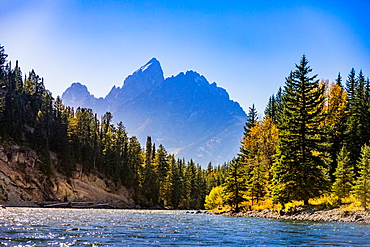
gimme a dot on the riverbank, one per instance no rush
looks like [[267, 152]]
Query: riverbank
[[70, 204], [333, 215], [23, 182]]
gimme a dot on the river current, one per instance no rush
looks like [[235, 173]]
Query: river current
[[95, 227]]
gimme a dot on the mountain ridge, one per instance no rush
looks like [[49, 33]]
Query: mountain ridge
[[191, 117]]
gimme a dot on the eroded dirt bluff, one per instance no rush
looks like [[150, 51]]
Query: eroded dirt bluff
[[22, 182]]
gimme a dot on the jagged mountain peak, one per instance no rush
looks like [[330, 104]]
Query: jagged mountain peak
[[148, 76], [79, 86], [152, 64], [75, 93]]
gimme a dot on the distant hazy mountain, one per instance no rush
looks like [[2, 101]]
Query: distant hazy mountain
[[189, 116]]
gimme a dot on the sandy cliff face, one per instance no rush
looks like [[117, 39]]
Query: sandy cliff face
[[22, 182]]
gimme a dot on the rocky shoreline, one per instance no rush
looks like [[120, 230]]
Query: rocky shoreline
[[76, 205], [333, 215]]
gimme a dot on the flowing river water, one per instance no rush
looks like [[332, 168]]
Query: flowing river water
[[103, 227]]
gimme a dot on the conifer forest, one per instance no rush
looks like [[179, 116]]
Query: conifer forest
[[311, 143]]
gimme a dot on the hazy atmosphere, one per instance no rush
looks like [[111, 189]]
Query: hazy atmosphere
[[246, 47]]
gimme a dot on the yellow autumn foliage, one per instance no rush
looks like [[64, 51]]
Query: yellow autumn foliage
[[216, 198]]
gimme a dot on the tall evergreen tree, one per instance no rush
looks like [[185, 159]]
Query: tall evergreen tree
[[357, 131], [176, 181], [200, 188], [190, 182], [299, 170], [344, 175], [270, 110], [245, 151], [351, 85], [150, 183], [235, 184], [252, 119], [338, 81], [3, 57], [168, 188], [135, 161], [274, 108], [362, 183], [120, 153], [161, 168], [257, 179]]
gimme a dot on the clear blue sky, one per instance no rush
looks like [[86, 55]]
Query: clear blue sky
[[246, 47]]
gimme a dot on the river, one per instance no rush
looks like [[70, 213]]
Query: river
[[95, 227]]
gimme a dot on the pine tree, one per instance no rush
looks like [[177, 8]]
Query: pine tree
[[60, 141], [357, 131], [176, 181], [161, 168], [257, 179], [352, 121], [270, 110], [150, 183], [274, 108], [120, 153], [351, 85], [246, 150], [362, 183], [3, 57], [235, 184], [135, 161], [252, 119], [201, 188], [362, 108], [190, 181], [168, 188], [299, 170], [338, 81], [344, 175]]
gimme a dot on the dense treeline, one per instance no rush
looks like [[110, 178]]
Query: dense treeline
[[30, 116], [310, 144]]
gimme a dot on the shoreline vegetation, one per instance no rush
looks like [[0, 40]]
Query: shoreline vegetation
[[310, 150]]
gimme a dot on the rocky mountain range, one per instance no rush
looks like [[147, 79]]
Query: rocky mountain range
[[189, 116]]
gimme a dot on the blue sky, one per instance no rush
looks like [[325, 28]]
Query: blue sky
[[246, 47]]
